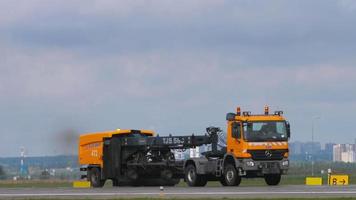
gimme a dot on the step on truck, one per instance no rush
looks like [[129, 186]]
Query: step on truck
[[256, 147]]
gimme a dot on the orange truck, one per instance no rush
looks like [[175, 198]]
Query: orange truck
[[256, 146]]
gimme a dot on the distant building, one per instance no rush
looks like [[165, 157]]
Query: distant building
[[296, 148], [328, 151], [337, 149], [312, 147], [348, 156], [329, 148], [308, 150], [344, 153]]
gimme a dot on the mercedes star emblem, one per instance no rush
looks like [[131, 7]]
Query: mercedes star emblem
[[268, 153]]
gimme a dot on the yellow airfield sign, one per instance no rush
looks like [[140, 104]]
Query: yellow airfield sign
[[81, 184], [314, 181], [338, 179]]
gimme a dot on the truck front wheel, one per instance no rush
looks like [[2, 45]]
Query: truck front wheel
[[192, 178], [95, 177], [231, 178], [272, 179]]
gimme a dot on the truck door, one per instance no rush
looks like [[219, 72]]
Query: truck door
[[236, 135]]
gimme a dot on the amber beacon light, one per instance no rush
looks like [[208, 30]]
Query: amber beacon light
[[266, 110]]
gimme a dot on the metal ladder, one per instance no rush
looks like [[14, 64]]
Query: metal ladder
[[218, 169]]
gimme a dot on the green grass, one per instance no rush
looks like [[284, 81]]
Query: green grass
[[35, 184], [286, 180]]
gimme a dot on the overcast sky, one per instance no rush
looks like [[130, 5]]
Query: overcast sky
[[69, 67]]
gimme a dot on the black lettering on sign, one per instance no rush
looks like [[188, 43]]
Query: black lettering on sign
[[334, 181], [343, 181]]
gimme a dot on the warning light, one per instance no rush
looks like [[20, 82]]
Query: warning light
[[266, 110], [238, 111]]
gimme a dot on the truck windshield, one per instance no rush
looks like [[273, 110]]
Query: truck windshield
[[265, 131]]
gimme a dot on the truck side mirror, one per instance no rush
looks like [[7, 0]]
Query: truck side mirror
[[288, 129]]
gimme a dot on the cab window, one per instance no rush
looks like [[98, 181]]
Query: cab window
[[236, 130]]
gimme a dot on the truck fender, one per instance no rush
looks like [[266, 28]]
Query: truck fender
[[230, 159], [199, 164]]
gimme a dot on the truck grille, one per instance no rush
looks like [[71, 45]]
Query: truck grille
[[269, 154]]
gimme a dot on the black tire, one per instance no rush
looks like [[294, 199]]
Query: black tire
[[222, 181], [94, 176], [202, 181], [231, 177], [272, 179], [115, 182], [192, 178]]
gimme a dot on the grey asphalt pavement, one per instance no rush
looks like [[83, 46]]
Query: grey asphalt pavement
[[183, 192]]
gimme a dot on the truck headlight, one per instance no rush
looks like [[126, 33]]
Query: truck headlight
[[250, 163], [285, 163]]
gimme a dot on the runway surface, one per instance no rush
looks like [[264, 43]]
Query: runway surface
[[183, 192]]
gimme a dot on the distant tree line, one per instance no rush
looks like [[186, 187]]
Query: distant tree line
[[42, 162]]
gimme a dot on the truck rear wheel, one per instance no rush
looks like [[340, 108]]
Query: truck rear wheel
[[231, 178], [222, 181], [95, 177], [193, 179], [272, 179]]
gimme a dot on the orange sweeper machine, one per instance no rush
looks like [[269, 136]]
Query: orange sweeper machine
[[256, 146]]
